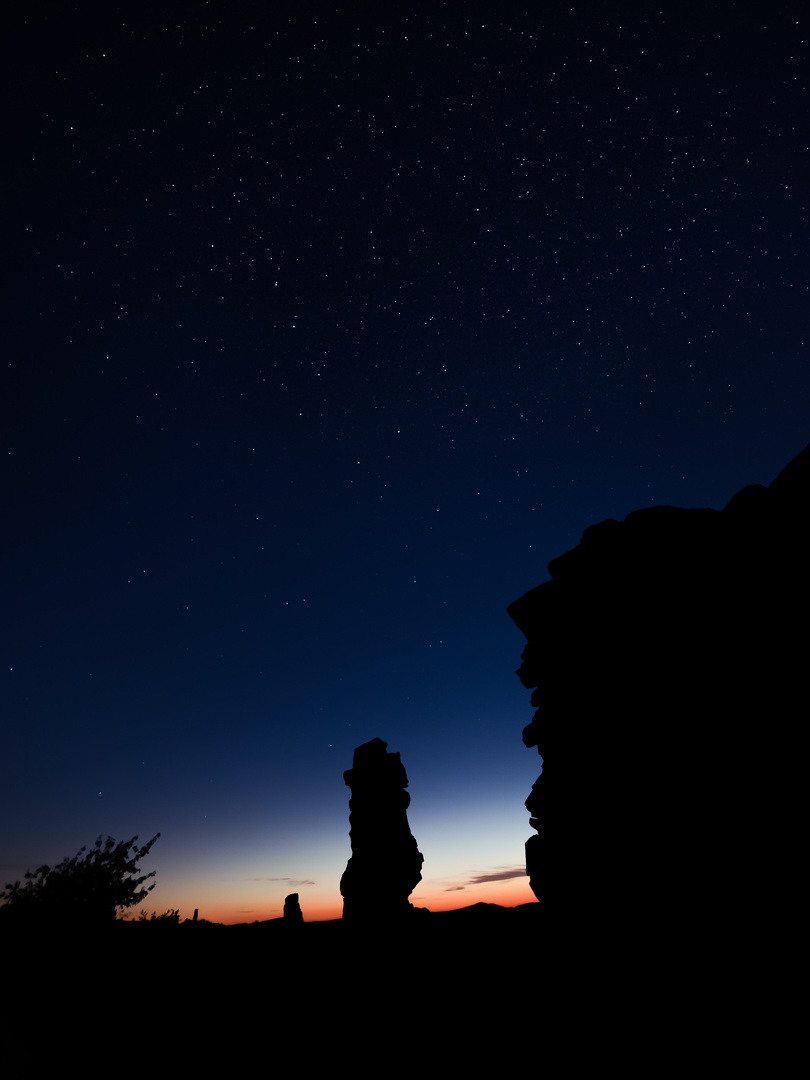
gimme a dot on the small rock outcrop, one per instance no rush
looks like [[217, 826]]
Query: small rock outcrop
[[385, 865], [667, 659], [292, 909]]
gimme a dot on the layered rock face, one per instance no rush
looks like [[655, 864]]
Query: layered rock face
[[385, 865], [668, 662]]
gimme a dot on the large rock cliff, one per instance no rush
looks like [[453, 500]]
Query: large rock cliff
[[667, 659]]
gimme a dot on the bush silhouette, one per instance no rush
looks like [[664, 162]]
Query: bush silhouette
[[168, 918], [91, 888]]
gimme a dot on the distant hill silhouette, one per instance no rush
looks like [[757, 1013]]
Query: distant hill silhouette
[[668, 662]]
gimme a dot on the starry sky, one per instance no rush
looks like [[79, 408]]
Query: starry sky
[[327, 327]]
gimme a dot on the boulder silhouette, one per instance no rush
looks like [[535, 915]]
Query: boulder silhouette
[[292, 910]]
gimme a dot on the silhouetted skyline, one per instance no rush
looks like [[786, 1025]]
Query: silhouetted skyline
[[325, 335]]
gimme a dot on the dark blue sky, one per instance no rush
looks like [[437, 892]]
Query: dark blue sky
[[326, 331]]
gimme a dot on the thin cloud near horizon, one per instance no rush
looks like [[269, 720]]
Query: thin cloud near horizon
[[499, 875], [477, 878], [290, 881]]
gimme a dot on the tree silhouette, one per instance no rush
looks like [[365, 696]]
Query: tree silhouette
[[90, 888]]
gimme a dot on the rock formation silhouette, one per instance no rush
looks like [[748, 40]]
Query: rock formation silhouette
[[385, 865], [667, 659], [292, 910]]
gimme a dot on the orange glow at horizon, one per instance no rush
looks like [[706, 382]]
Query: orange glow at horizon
[[509, 893]]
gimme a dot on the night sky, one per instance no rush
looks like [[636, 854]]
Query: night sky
[[327, 327]]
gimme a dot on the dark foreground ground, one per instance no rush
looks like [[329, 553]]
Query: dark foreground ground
[[474, 990], [313, 995], [206, 966]]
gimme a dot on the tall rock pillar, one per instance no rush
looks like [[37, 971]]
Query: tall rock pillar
[[385, 865]]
